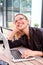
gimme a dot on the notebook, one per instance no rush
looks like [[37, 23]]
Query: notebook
[[13, 54]]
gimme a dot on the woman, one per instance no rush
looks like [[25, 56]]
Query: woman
[[31, 38]]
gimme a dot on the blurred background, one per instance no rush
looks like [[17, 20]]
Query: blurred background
[[33, 9]]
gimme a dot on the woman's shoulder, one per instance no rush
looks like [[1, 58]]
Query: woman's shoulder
[[36, 29], [36, 33]]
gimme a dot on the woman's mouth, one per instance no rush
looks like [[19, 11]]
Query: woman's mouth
[[20, 25]]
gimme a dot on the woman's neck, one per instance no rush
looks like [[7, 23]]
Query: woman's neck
[[26, 31]]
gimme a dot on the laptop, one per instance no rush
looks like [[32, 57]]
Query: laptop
[[13, 54]]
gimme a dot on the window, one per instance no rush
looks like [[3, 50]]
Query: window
[[12, 7]]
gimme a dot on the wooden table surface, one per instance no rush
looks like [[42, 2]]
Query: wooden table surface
[[36, 61]]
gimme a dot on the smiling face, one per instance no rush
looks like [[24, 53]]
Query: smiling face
[[21, 21]]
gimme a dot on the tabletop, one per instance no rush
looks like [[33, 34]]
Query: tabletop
[[36, 61]]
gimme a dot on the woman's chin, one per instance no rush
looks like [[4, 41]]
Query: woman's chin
[[20, 28]]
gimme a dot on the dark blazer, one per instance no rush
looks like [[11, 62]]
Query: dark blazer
[[35, 42]]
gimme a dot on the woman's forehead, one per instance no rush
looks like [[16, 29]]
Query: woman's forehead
[[19, 16]]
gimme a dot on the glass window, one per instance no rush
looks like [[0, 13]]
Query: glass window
[[16, 5], [25, 6], [1, 12], [12, 7]]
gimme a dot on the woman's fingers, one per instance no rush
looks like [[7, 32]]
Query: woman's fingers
[[27, 54], [24, 55]]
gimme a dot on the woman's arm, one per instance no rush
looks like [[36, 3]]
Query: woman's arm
[[11, 35], [38, 53], [29, 52], [15, 43]]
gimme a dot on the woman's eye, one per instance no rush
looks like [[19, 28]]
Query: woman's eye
[[15, 21], [18, 20]]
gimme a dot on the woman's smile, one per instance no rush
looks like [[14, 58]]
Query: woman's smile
[[20, 24]]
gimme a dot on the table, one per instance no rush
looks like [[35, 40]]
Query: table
[[36, 61]]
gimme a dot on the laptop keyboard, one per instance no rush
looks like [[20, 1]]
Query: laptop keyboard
[[16, 54]]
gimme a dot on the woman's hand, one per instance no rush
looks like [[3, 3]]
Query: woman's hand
[[11, 35], [29, 52]]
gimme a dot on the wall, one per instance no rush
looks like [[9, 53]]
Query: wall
[[36, 12]]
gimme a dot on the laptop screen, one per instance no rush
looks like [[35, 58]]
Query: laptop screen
[[6, 31]]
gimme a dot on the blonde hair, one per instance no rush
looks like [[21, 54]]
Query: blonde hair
[[19, 34]]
